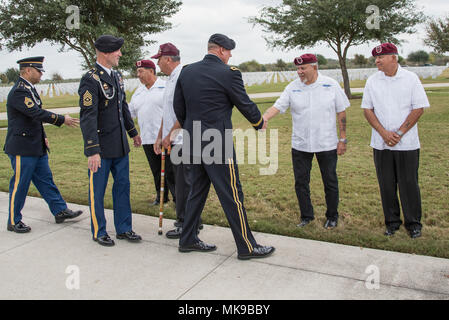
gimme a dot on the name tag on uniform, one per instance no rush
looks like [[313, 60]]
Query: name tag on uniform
[[327, 85], [297, 90]]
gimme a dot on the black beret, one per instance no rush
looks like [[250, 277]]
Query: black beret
[[107, 43], [35, 62], [222, 41]]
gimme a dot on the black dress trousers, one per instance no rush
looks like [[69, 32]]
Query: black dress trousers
[[154, 161], [302, 165], [399, 169]]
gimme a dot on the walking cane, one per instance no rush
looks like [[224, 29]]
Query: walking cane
[[161, 204]]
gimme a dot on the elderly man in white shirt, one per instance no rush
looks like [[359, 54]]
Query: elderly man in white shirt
[[170, 132], [315, 101], [393, 101], [146, 105]]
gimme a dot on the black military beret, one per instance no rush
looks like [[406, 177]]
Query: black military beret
[[222, 41], [35, 62], [108, 43]]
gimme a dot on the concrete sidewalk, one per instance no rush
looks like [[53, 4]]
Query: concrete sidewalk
[[45, 264]]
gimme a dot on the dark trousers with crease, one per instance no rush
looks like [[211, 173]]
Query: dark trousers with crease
[[180, 187], [399, 169], [154, 160], [225, 179], [302, 165]]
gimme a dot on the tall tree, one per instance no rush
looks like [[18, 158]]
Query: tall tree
[[12, 74], [360, 60], [419, 57], [76, 24], [338, 23], [438, 35]]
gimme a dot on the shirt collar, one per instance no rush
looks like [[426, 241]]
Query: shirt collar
[[32, 86], [312, 85], [175, 72], [398, 74], [156, 84], [105, 69]]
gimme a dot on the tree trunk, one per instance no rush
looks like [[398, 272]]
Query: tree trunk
[[344, 73]]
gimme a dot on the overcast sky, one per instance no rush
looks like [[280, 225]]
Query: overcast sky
[[198, 19]]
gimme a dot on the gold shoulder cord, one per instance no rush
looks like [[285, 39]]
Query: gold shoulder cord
[[97, 78]]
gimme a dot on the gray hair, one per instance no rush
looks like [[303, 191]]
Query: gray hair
[[175, 58], [212, 45]]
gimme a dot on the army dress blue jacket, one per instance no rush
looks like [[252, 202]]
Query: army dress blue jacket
[[207, 91], [26, 135], [105, 119]]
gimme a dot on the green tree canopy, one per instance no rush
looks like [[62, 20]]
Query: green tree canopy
[[25, 23], [338, 23], [322, 61], [250, 66], [419, 57], [360, 60], [12, 74], [438, 35]]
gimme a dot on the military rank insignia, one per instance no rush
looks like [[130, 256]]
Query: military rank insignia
[[234, 68], [87, 99], [28, 102]]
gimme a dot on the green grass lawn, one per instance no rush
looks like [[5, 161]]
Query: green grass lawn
[[271, 200]]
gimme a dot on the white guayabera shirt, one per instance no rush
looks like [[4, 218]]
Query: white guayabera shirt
[[169, 116], [393, 98], [146, 105], [314, 110]]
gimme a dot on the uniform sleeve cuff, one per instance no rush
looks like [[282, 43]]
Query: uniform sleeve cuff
[[133, 132], [259, 124]]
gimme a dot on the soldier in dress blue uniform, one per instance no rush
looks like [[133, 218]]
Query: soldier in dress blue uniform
[[27, 144], [105, 123], [206, 91]]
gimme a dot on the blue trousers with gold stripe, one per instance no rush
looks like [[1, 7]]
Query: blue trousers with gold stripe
[[119, 167], [36, 170], [225, 179]]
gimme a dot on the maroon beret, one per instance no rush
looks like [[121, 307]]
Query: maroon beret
[[166, 49], [305, 59], [145, 64], [384, 48]]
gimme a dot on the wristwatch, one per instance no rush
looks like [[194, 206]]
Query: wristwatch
[[345, 141], [400, 133]]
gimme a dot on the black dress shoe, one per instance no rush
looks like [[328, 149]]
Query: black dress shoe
[[19, 227], [304, 222], [130, 236], [390, 231], [415, 233], [67, 214], [155, 202], [330, 224], [258, 252], [177, 223], [105, 241], [199, 246], [174, 234]]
